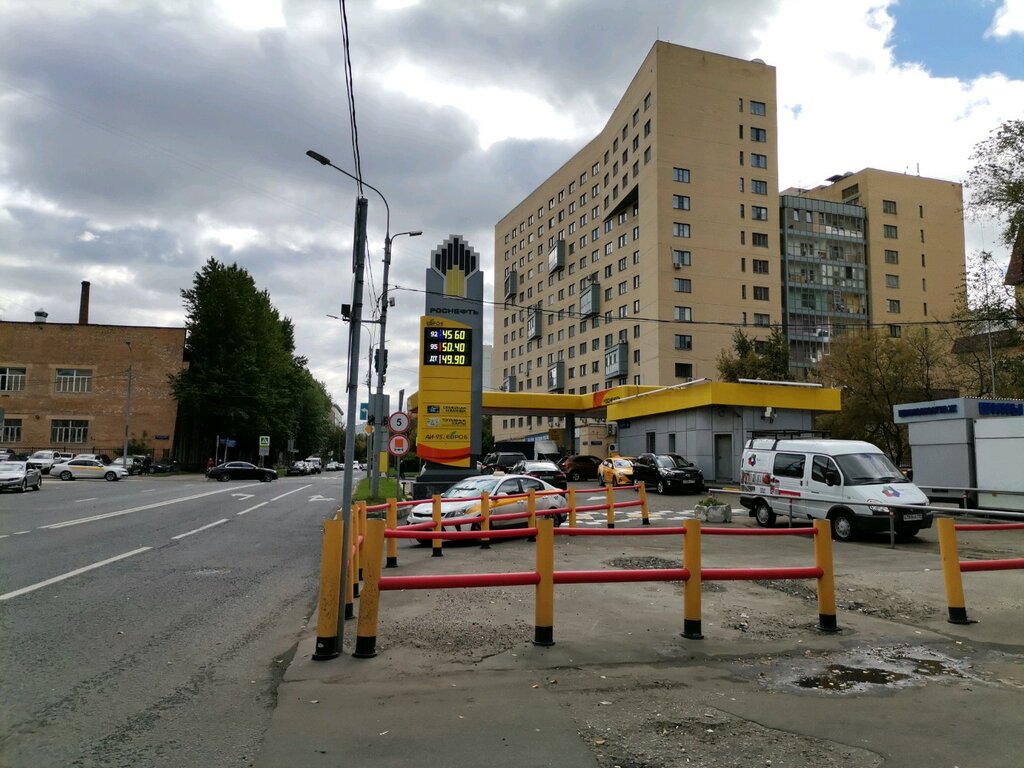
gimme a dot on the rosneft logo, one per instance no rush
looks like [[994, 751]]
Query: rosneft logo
[[455, 261]]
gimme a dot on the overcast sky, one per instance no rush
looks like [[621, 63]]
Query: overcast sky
[[138, 138]]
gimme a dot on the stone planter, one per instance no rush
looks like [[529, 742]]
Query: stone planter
[[717, 513]]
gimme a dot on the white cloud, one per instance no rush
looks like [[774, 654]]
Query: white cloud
[[1008, 19]]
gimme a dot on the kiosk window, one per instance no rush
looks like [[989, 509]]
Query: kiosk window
[[789, 465]]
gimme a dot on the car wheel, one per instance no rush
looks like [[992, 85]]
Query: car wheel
[[39, 484], [265, 478], [223, 478], [110, 477], [575, 476], [24, 486], [843, 526], [764, 515], [559, 521], [66, 475], [661, 486]]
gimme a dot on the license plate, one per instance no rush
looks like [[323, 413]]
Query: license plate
[[913, 516]]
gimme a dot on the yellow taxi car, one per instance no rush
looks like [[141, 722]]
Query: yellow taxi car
[[617, 470]]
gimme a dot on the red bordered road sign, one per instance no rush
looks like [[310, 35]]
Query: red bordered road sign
[[398, 421], [398, 445]]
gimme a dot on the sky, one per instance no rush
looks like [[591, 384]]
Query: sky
[[139, 138]]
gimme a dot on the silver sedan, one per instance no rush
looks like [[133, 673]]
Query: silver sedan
[[19, 476], [77, 469]]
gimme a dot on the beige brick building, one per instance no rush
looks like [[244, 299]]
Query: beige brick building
[[636, 260], [64, 386]]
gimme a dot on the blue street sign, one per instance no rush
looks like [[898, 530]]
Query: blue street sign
[[364, 411]]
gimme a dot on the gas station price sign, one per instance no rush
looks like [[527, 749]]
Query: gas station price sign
[[448, 346]]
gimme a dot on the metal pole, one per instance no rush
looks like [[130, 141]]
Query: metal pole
[[354, 335], [381, 363], [127, 410]]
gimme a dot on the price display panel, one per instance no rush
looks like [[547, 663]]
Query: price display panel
[[448, 346], [446, 382]]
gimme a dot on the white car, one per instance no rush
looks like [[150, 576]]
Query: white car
[[44, 460], [19, 476], [78, 469], [462, 500]]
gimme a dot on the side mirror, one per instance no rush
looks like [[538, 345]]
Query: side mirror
[[831, 477]]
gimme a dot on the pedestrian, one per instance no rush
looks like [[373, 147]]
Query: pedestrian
[[209, 463]]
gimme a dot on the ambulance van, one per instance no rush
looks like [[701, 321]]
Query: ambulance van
[[848, 482]]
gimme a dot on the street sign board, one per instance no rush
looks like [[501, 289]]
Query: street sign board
[[264, 450], [364, 411], [398, 445], [264, 441], [398, 421]]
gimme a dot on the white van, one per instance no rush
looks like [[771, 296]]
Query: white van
[[315, 467], [849, 482]]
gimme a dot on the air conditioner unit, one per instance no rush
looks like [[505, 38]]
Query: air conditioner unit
[[613, 447], [676, 265]]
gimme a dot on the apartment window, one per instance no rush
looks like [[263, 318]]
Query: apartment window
[[683, 314], [647, 102], [684, 370], [622, 240], [759, 212], [12, 379], [890, 231], [761, 320], [622, 264], [922, 260], [10, 431], [758, 161], [636, 282], [758, 187], [892, 257], [68, 431], [684, 341], [895, 331], [892, 281], [682, 285], [922, 235], [741, 130], [623, 287], [76, 380], [760, 240], [741, 157], [760, 266], [681, 258], [681, 202], [892, 306], [743, 211], [757, 108], [608, 270], [888, 206], [647, 155], [758, 134], [680, 230], [681, 175], [647, 128], [636, 254], [760, 293]]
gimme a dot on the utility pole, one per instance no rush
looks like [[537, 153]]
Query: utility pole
[[127, 408]]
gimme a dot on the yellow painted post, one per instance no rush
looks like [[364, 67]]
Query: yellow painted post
[[645, 517], [826, 582], [572, 507], [436, 513], [330, 584], [609, 492], [485, 514], [691, 590], [369, 604], [359, 518], [531, 507], [950, 555], [350, 589], [392, 524], [544, 610]]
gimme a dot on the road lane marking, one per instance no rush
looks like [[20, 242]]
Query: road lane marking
[[149, 490], [250, 509], [79, 501], [289, 493], [201, 528], [20, 533], [69, 574], [242, 496], [106, 515], [318, 497]]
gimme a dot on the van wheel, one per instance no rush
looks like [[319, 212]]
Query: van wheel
[[764, 515], [842, 525]]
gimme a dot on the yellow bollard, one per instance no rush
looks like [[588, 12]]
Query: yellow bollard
[[350, 588], [691, 590], [826, 582], [436, 513], [358, 526], [950, 555], [366, 629], [572, 507], [645, 518], [531, 507], [330, 584], [392, 524], [485, 514], [544, 610], [609, 491]]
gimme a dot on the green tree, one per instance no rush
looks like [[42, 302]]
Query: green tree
[[766, 359], [996, 182]]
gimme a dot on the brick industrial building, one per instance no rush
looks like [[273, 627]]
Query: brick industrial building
[[636, 260], [64, 385]]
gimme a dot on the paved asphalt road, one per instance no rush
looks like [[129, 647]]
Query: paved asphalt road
[[147, 622]]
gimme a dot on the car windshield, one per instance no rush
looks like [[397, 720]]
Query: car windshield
[[671, 461], [541, 466], [622, 464], [868, 469], [11, 466], [468, 489]]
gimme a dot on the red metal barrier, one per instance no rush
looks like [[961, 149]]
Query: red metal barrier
[[620, 577], [761, 574], [454, 580], [989, 527], [991, 565]]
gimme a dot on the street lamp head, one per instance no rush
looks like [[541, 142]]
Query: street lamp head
[[415, 233], [318, 157]]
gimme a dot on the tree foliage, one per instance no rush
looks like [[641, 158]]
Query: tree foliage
[[996, 182], [243, 379], [766, 359]]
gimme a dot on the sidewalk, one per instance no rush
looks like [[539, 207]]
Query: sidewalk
[[458, 682]]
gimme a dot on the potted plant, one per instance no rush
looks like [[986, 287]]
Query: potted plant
[[711, 509]]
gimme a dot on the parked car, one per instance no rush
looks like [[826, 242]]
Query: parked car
[[617, 470], [333, 466], [462, 500], [162, 466], [44, 460], [241, 470], [136, 464], [19, 476], [500, 461], [666, 472], [314, 464], [80, 469], [100, 457], [547, 471], [297, 468], [580, 467]]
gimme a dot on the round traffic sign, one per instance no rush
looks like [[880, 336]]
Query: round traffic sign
[[398, 445], [398, 421]]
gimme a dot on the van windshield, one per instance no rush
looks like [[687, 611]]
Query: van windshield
[[868, 469]]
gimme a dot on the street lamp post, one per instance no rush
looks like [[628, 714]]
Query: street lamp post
[[127, 409]]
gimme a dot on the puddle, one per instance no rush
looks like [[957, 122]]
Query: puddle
[[839, 677]]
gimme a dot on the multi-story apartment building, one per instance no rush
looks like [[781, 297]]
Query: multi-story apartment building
[[636, 260]]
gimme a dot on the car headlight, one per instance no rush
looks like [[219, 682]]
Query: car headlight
[[878, 508]]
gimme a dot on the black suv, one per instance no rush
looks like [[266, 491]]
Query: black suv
[[665, 472], [500, 462], [580, 467]]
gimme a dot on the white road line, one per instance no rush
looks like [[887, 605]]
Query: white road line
[[20, 533], [79, 501], [250, 509], [197, 530], [104, 516], [300, 488], [69, 574], [149, 490]]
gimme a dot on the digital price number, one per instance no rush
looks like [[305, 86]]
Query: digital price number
[[447, 346]]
